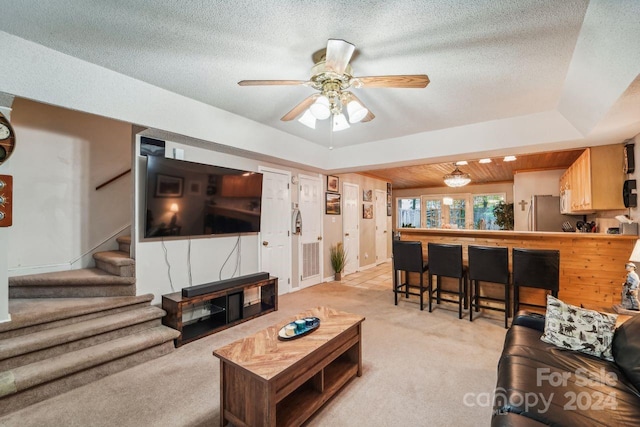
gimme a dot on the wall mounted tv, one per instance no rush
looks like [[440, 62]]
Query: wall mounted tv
[[193, 199]]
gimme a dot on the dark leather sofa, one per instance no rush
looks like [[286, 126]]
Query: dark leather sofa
[[541, 384]]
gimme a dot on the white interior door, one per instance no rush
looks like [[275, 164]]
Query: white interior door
[[310, 249], [350, 221], [380, 214], [275, 227]]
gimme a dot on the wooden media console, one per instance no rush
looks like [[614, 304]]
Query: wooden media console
[[223, 307]]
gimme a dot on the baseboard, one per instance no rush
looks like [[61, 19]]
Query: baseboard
[[37, 269]]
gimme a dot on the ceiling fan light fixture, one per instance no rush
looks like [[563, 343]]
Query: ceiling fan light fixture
[[356, 111], [308, 119], [320, 109], [340, 122], [457, 178]]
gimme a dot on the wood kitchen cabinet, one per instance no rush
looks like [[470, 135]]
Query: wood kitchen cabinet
[[595, 180], [241, 185]]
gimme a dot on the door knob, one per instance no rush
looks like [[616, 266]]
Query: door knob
[[265, 243], [319, 237], [346, 234]]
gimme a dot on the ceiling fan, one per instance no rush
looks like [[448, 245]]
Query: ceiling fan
[[332, 76]]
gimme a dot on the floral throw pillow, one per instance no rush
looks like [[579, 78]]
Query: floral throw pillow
[[579, 329]]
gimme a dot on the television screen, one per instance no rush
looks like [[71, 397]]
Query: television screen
[[192, 199]]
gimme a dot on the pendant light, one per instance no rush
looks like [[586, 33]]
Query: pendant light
[[457, 178]]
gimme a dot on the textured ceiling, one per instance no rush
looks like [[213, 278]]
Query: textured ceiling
[[507, 77], [487, 60]]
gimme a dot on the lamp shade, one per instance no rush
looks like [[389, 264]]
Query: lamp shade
[[457, 178], [356, 111], [635, 254], [174, 207], [308, 119], [320, 108], [340, 122]]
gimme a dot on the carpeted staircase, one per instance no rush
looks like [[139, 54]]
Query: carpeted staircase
[[71, 328], [114, 275]]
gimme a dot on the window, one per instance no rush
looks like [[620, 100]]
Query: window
[[433, 213], [470, 211], [483, 204], [409, 213], [458, 213], [446, 211]]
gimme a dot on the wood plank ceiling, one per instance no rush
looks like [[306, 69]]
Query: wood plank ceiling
[[431, 175]]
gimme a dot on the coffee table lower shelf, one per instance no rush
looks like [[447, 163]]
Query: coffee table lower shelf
[[297, 407]]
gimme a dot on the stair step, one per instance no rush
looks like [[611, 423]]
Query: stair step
[[115, 262], [32, 315], [86, 282], [37, 381], [40, 345], [124, 244]]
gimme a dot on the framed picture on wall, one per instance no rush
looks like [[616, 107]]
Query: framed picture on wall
[[367, 211], [333, 183], [332, 204], [194, 188], [367, 195], [168, 186]]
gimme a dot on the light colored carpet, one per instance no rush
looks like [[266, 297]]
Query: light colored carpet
[[417, 368]]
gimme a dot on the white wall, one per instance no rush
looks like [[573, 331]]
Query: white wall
[[527, 184], [60, 157]]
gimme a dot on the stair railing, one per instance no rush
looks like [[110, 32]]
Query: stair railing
[[104, 184], [99, 244]]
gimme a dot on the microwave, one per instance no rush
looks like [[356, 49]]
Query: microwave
[[565, 202]]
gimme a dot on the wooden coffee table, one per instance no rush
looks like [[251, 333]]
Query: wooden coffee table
[[265, 381]]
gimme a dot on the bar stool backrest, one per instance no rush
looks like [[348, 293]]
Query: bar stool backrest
[[407, 256], [489, 264], [445, 260], [536, 268]]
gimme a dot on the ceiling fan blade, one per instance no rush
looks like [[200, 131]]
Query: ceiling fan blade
[[271, 82], [370, 116], [298, 109], [338, 55], [408, 81]]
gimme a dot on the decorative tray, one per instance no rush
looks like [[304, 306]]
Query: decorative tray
[[297, 329]]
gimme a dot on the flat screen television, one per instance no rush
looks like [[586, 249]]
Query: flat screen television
[[193, 199]]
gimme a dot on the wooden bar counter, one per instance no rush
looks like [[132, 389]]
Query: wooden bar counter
[[591, 264]]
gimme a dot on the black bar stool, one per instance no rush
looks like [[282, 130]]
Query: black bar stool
[[446, 261], [488, 264], [535, 268], [407, 257]]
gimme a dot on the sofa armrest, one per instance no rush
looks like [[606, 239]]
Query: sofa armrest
[[529, 319]]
